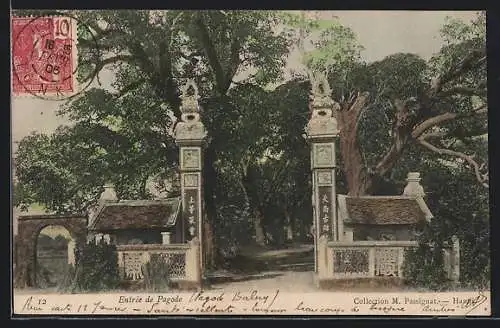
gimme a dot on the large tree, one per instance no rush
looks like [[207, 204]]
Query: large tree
[[388, 105]]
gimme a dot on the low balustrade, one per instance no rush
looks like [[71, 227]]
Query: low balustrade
[[362, 259], [182, 260], [42, 254]]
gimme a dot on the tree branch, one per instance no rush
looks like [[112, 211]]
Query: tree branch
[[277, 180], [436, 120], [130, 87], [234, 62], [466, 91], [211, 53], [110, 60], [465, 64], [400, 135], [175, 20], [482, 179], [97, 40], [359, 106], [142, 58]]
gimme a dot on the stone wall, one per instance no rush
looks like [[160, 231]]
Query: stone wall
[[29, 228], [183, 261]]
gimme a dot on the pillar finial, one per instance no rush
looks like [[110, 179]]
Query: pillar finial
[[414, 188], [322, 122], [320, 91], [190, 129], [109, 193], [189, 101]]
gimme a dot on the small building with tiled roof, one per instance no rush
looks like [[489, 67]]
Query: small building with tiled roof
[[127, 222], [384, 217]]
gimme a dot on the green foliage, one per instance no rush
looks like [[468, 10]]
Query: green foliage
[[96, 268], [156, 275], [455, 30], [325, 45], [263, 164], [461, 208], [55, 172], [67, 282], [464, 212], [423, 268], [399, 76]]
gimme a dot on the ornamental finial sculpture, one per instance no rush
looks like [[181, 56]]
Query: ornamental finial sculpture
[[190, 128], [322, 122], [320, 91], [189, 102]]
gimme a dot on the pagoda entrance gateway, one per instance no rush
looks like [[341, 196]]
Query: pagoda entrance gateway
[[355, 238]]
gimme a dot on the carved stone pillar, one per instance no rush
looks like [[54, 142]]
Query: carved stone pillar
[[322, 133], [190, 136]]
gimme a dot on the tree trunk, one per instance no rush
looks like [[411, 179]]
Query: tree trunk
[[208, 248], [260, 235], [210, 185], [289, 226], [358, 181]]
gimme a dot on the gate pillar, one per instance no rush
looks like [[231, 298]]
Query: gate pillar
[[322, 133], [190, 136]]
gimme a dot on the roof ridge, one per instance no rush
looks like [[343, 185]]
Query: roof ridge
[[152, 209], [385, 209], [142, 201], [382, 197]]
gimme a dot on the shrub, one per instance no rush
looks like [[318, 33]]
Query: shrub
[[68, 280], [423, 268], [156, 275], [96, 267], [42, 277]]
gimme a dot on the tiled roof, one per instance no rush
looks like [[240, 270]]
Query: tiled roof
[[383, 210], [136, 214]]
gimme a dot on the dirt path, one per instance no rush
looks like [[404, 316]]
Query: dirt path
[[286, 281]]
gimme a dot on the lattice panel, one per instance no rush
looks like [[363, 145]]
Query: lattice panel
[[176, 263], [351, 261], [132, 264], [386, 262]]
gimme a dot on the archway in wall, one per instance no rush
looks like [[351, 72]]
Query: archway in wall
[[54, 256], [29, 229]]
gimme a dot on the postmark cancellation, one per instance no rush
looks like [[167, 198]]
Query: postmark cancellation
[[44, 57]]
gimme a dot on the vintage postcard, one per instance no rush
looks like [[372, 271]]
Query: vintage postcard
[[170, 162]]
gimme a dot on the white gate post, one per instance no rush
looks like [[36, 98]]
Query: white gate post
[[190, 136], [322, 133]]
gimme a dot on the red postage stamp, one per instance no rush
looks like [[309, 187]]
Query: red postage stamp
[[43, 56]]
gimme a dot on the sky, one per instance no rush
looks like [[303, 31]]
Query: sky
[[381, 33]]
